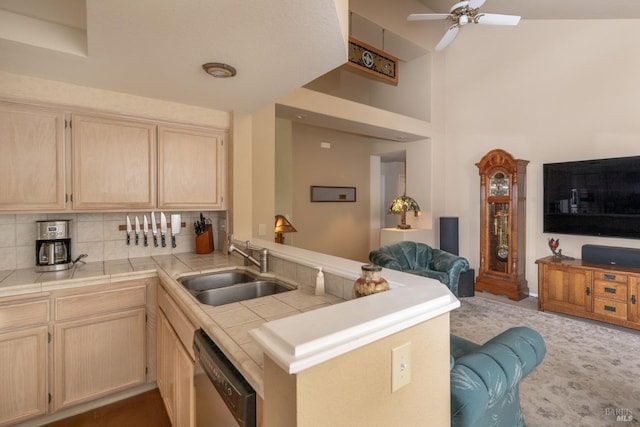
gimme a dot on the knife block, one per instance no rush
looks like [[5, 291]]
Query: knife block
[[204, 241]]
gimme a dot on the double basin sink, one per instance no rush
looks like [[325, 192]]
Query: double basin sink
[[226, 287]]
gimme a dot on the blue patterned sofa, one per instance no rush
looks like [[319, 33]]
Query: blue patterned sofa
[[485, 379], [423, 260]]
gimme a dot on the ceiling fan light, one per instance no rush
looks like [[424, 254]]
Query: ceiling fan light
[[464, 20]]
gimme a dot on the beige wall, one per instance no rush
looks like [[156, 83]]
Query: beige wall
[[24, 88], [355, 389], [335, 228], [545, 91], [284, 169]]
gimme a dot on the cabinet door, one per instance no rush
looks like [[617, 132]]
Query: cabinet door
[[634, 299], [166, 345], [185, 393], [191, 168], [175, 375], [23, 374], [32, 159], [114, 360], [567, 289], [114, 163]]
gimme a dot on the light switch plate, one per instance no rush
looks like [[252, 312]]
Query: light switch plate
[[400, 366], [262, 229]]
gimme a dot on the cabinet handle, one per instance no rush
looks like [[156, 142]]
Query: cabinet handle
[[609, 276], [610, 290], [633, 299], [609, 308], [588, 291]]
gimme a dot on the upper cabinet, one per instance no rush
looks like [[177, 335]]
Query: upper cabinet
[[191, 168], [114, 163], [32, 158], [105, 162]]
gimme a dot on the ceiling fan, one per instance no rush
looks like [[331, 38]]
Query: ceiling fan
[[461, 14]]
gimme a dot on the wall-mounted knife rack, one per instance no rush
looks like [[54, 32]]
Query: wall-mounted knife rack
[[124, 227]]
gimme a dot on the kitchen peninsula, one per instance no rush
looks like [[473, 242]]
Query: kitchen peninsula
[[327, 360]]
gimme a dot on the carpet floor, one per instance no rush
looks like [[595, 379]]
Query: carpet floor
[[589, 377]]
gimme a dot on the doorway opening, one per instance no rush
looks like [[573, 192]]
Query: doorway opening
[[393, 183]]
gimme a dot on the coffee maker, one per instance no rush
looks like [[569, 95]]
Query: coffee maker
[[53, 246]]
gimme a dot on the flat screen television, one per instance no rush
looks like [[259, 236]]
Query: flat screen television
[[593, 197]]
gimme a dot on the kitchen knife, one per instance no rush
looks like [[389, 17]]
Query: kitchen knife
[[154, 229], [145, 229], [175, 228], [128, 230], [137, 229], [163, 228]]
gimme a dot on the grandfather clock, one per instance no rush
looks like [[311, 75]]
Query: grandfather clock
[[502, 225]]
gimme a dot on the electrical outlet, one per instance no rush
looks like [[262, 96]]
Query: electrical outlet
[[400, 366]]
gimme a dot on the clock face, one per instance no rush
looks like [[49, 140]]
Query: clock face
[[499, 185]]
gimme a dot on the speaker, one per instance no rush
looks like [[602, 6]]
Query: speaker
[[611, 255], [449, 234], [466, 283]]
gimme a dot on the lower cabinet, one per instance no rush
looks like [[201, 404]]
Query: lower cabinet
[[23, 374], [175, 363], [604, 293], [69, 346], [99, 342], [98, 356], [24, 358], [565, 289]]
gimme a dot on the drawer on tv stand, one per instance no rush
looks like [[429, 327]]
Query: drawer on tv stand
[[610, 290], [610, 308]]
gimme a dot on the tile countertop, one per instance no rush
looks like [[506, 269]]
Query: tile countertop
[[228, 325], [297, 329]]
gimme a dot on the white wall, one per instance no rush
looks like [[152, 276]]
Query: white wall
[[545, 91]]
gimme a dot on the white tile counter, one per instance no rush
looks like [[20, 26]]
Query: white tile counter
[[297, 329]]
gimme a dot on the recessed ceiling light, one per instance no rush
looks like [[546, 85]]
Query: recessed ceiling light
[[218, 69]]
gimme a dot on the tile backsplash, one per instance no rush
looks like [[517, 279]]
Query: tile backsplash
[[97, 235]]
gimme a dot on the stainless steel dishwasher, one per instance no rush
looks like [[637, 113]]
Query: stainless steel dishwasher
[[223, 397]]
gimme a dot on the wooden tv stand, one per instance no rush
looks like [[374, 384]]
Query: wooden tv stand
[[595, 291]]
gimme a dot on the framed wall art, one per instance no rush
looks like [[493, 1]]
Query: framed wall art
[[333, 194]]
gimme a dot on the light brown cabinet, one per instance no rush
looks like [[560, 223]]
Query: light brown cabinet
[[32, 158], [24, 351], [175, 363], [114, 163], [99, 342], [605, 293], [191, 168], [106, 162]]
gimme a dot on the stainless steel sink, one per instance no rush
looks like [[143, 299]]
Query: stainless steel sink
[[215, 280], [240, 292]]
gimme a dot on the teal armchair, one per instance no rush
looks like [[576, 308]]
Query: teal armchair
[[423, 260], [485, 378]]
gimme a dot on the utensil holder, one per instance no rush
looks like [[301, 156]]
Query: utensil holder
[[204, 241]]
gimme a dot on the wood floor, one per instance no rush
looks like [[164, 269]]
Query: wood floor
[[145, 409]]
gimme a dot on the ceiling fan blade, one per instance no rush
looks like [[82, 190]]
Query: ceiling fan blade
[[496, 19], [427, 16], [448, 37], [474, 4]]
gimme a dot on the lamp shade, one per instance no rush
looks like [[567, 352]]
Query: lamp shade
[[282, 225], [402, 204]]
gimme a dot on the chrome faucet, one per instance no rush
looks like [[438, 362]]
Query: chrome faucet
[[262, 264]]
